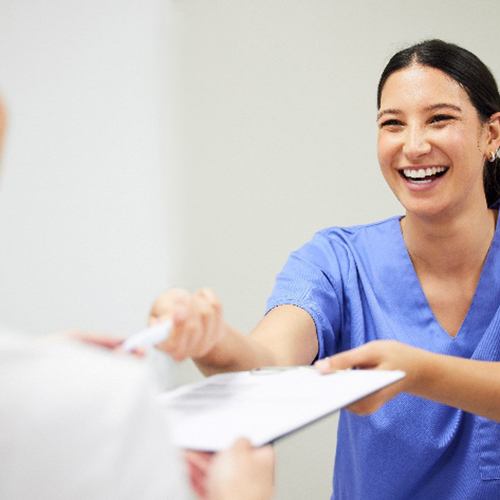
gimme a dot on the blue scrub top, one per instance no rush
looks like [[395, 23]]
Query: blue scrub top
[[359, 284]]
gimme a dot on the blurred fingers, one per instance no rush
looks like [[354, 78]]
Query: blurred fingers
[[97, 339], [198, 465]]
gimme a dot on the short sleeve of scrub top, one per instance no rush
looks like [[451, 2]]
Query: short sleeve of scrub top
[[311, 280]]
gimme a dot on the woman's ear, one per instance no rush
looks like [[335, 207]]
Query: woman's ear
[[494, 132]]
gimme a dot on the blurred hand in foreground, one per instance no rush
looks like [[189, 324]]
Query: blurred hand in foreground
[[105, 341], [241, 472]]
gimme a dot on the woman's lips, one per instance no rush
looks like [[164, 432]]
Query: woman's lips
[[422, 178]]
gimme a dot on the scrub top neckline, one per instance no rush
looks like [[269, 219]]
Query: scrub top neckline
[[480, 294]]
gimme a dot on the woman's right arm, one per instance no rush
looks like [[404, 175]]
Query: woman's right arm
[[471, 385], [285, 336]]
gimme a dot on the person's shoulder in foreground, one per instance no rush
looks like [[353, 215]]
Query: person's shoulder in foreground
[[79, 422]]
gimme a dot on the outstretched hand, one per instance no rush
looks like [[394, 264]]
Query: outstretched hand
[[378, 355], [197, 322]]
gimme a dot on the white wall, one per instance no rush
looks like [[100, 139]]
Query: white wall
[[278, 116], [88, 191]]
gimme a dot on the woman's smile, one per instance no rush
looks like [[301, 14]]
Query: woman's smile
[[423, 177]]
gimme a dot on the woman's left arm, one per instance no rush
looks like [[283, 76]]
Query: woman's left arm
[[471, 385]]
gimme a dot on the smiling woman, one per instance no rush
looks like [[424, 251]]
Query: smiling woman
[[429, 279]]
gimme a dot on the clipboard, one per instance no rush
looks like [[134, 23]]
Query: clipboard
[[262, 405]]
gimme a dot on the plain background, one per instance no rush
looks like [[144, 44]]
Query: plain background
[[194, 143], [87, 197]]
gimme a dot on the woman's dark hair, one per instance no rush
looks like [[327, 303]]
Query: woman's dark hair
[[472, 75]]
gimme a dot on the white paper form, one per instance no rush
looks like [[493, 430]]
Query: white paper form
[[262, 405]]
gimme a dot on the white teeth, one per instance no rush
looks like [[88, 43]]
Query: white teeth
[[420, 173]]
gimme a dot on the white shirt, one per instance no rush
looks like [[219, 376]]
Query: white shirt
[[77, 422]]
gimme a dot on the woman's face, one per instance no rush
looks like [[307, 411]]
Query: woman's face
[[431, 143]]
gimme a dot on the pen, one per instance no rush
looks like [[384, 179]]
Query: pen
[[148, 337]]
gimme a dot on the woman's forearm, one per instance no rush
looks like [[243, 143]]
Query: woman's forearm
[[235, 352], [285, 336], [471, 385]]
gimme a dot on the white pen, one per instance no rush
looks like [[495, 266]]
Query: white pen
[[148, 337]]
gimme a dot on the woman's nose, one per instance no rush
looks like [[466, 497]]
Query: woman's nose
[[416, 143]]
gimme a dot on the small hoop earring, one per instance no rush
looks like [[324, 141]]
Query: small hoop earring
[[493, 156]]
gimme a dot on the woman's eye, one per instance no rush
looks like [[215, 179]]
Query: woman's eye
[[441, 118], [390, 123]]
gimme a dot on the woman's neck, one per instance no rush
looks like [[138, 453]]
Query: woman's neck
[[449, 245]]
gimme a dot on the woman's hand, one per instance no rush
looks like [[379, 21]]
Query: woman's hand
[[197, 322], [379, 355], [241, 472]]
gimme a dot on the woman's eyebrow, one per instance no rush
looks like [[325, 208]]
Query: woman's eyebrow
[[441, 105], [388, 112]]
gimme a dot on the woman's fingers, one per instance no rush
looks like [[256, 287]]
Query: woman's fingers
[[196, 322], [165, 305], [211, 320], [365, 356], [380, 355]]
